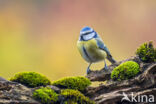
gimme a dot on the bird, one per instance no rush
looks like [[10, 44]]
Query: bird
[[92, 48]]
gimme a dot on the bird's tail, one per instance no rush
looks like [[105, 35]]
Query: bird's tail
[[110, 58]]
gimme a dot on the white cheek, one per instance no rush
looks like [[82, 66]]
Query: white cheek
[[89, 36]]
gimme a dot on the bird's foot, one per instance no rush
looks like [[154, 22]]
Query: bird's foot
[[105, 68], [88, 70]]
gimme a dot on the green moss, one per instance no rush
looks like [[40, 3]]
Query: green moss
[[125, 70], [75, 97], [31, 79], [146, 52], [70, 102], [77, 83], [45, 95]]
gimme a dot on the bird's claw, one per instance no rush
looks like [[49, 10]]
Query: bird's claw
[[105, 68], [88, 70]]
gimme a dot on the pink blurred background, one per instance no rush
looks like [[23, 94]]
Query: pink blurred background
[[41, 35]]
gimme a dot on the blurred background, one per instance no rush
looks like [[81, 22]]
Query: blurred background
[[41, 35]]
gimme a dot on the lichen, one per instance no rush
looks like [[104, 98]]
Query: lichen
[[147, 52], [125, 71], [46, 95], [75, 97], [77, 83], [31, 79]]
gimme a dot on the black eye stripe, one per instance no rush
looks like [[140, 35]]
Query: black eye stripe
[[88, 33]]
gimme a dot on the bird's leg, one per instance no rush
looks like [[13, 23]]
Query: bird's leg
[[88, 69], [105, 65]]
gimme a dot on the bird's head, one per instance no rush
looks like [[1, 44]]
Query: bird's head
[[87, 33]]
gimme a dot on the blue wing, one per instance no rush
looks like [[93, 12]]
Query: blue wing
[[102, 46]]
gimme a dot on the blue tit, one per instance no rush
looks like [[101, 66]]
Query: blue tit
[[92, 48]]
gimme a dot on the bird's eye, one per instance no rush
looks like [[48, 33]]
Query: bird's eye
[[87, 33]]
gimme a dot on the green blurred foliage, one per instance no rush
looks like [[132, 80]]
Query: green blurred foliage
[[147, 52]]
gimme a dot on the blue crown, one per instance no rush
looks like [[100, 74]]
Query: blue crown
[[86, 29]]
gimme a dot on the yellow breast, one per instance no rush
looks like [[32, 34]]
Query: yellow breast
[[90, 51]]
